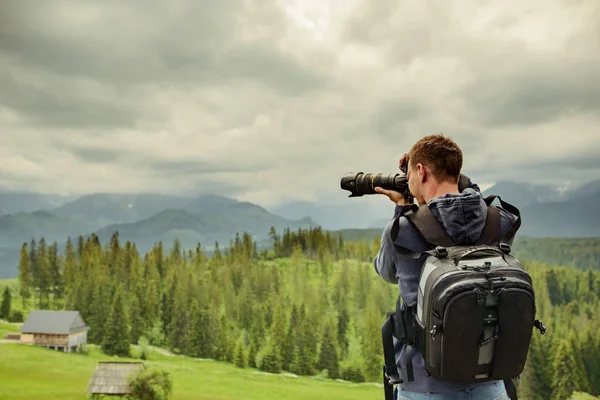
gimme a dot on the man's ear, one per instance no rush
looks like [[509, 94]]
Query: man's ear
[[422, 172]]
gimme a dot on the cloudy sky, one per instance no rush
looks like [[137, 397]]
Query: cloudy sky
[[269, 101]]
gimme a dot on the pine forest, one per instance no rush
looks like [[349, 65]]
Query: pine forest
[[310, 304]]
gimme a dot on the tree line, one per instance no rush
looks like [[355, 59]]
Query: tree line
[[311, 304], [580, 253]]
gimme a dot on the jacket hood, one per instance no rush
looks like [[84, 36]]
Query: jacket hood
[[462, 215]]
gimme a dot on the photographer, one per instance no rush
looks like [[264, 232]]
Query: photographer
[[433, 168]]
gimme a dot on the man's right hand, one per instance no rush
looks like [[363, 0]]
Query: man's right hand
[[402, 160], [396, 197]]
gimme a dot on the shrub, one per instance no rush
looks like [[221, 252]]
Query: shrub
[[151, 383], [16, 316]]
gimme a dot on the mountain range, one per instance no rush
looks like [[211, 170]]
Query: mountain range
[[141, 218], [145, 218], [546, 210]]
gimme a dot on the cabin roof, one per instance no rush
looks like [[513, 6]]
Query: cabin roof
[[110, 377], [53, 322]]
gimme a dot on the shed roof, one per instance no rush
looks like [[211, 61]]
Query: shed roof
[[111, 377], [53, 322]]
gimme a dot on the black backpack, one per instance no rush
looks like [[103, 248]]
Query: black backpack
[[475, 309]]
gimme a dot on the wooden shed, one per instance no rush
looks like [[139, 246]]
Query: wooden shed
[[110, 377], [59, 330]]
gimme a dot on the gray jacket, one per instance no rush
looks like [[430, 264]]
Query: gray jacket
[[463, 216]]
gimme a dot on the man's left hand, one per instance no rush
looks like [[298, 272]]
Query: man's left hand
[[396, 197]]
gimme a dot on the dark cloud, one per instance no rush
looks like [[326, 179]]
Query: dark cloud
[[153, 42], [98, 155], [158, 165], [589, 161], [575, 169], [60, 102], [542, 90], [272, 101], [100, 71], [118, 42]]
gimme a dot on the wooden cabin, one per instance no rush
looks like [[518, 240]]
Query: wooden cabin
[[58, 330], [110, 378]]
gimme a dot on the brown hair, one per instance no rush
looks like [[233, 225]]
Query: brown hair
[[439, 153]]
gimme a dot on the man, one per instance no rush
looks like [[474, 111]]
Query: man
[[433, 168]]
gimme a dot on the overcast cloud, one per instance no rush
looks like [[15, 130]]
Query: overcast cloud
[[270, 101]]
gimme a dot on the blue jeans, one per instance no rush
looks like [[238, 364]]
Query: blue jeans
[[492, 392]]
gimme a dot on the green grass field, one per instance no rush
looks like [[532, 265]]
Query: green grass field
[[28, 372]]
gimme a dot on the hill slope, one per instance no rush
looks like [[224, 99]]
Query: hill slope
[[578, 217], [21, 227], [101, 209], [205, 220], [34, 373], [14, 202]]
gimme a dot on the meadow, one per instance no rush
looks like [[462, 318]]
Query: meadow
[[28, 372]]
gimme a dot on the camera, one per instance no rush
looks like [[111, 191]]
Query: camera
[[359, 184]]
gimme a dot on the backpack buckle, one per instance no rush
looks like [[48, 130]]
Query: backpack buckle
[[433, 332], [441, 252], [505, 247]]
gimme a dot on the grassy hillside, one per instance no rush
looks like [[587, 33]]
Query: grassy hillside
[[35, 373]]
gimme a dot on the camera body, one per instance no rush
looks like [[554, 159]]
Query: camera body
[[359, 184]]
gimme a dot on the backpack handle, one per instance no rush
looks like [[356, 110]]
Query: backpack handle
[[460, 256]]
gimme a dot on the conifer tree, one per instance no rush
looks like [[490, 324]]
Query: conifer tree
[[252, 353], [590, 355], [56, 284], [277, 332], [205, 333], [565, 379], [306, 344], [5, 307], [371, 341], [69, 274], [34, 270], [328, 356], [99, 313], [241, 359], [138, 324], [179, 326], [165, 313], [342, 327], [351, 367], [150, 293], [24, 275], [225, 342], [554, 287], [287, 352], [117, 332], [44, 277]]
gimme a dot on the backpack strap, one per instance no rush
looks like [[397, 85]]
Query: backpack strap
[[491, 230], [391, 373], [511, 389], [435, 235], [507, 237], [407, 212], [430, 228]]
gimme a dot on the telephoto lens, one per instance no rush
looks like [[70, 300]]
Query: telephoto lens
[[359, 184]]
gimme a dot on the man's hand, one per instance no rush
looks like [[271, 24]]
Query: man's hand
[[402, 160], [396, 197]]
